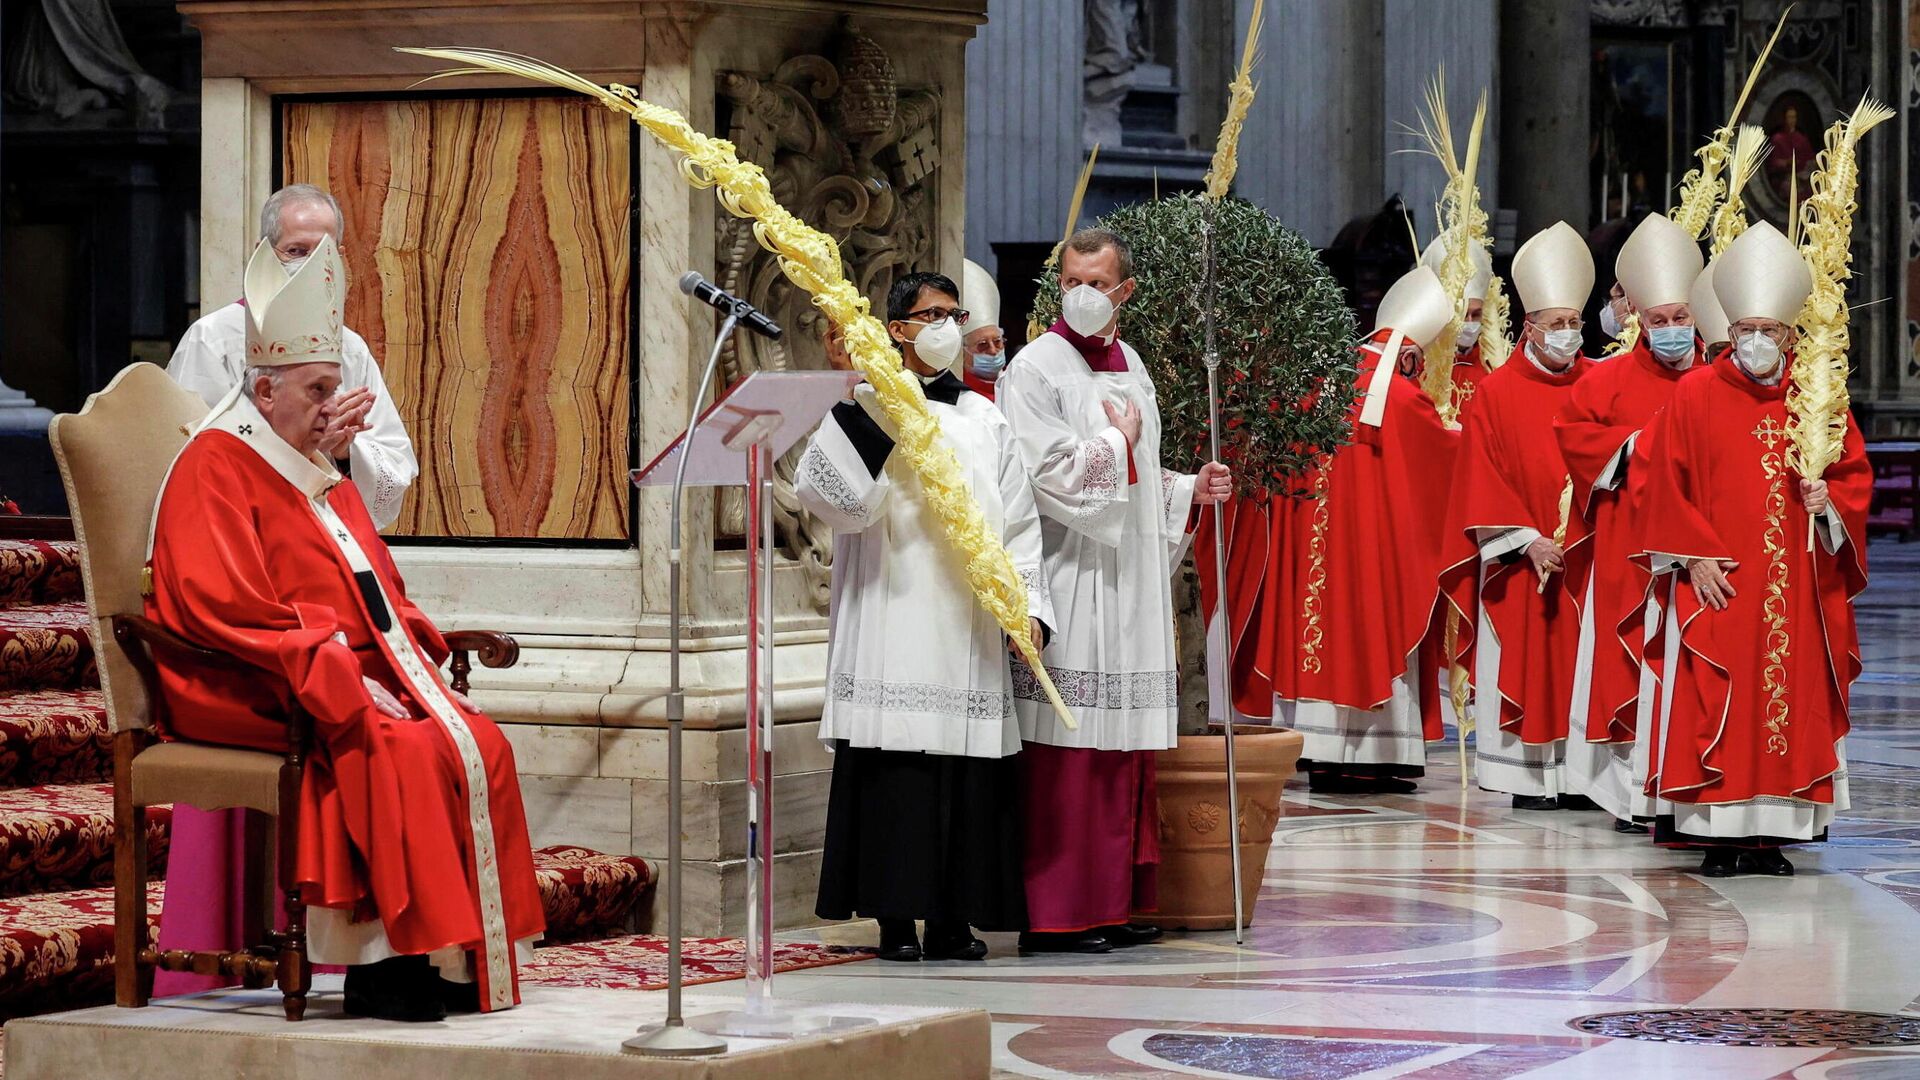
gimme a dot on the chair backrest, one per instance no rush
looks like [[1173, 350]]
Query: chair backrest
[[113, 454]]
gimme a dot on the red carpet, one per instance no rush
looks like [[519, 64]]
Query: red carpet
[[639, 961]]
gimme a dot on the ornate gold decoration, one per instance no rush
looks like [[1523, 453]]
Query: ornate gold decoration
[[1312, 634], [852, 154], [1773, 610], [811, 260]]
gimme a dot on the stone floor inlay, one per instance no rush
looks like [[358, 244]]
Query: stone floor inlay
[[1757, 1027]]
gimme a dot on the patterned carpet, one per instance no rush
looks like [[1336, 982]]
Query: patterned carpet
[[639, 961], [56, 820]]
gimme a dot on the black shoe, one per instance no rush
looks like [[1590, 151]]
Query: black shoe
[[1576, 802], [1327, 782], [898, 942], [399, 988], [953, 943], [1127, 935], [1535, 802], [1626, 825], [1720, 862], [1768, 861], [457, 997], [1392, 785], [1086, 941]]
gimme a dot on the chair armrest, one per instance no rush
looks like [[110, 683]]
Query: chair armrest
[[495, 650], [165, 646]]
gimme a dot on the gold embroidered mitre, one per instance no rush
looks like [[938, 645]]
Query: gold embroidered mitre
[[1658, 264], [294, 318], [1762, 275], [1553, 269]]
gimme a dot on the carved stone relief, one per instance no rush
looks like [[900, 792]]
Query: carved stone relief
[[850, 153]]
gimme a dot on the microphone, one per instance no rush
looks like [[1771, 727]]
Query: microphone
[[726, 303]]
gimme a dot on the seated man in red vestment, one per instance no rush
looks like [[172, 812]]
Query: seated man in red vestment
[[413, 852], [1761, 649]]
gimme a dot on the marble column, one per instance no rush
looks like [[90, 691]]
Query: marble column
[[1543, 63], [1312, 152], [1423, 37]]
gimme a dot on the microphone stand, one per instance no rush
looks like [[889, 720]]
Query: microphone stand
[[673, 1038]]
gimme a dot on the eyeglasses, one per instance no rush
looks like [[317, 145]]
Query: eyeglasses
[[1776, 334], [935, 314], [1563, 324]]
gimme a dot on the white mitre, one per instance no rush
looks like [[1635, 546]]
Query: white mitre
[[1658, 264], [1762, 275], [1417, 305], [980, 295], [1481, 262], [1553, 269], [294, 319], [1708, 318]]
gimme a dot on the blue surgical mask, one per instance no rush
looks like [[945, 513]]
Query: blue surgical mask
[[1671, 344], [987, 365]]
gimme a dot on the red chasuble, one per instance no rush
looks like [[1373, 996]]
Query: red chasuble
[[1350, 588], [1468, 370], [1760, 689], [1510, 475], [1611, 405], [242, 566]]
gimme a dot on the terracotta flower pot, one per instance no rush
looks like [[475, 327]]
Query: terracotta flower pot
[[1196, 859]]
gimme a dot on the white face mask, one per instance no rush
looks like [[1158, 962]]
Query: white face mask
[[292, 266], [1609, 322], [1468, 337], [1087, 309], [938, 345], [1561, 346], [1758, 354]]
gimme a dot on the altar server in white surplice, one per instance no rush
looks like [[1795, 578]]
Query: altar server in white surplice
[[923, 821], [366, 438], [1083, 408]]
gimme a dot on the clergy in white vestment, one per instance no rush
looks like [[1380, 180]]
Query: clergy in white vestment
[[366, 438], [923, 821], [1084, 413]]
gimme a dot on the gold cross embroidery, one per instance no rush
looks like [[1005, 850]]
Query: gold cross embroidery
[[1769, 433]]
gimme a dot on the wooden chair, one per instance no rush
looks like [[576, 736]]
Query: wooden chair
[[113, 455]]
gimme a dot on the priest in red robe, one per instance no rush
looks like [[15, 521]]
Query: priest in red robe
[[1598, 428], [1469, 361], [413, 856], [1752, 746], [1351, 586], [1508, 527]]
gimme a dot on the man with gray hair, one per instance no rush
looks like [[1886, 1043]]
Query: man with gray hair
[[364, 436]]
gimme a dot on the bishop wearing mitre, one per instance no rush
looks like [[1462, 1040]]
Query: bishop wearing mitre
[[1509, 525], [1752, 741], [1598, 427], [1351, 586], [1469, 359], [413, 856]]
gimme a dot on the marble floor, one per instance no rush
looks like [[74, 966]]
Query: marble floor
[[1445, 936]]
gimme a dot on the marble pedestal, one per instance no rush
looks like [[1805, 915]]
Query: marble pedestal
[[555, 1032]]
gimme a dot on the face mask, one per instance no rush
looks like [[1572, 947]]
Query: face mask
[[1609, 322], [1468, 337], [292, 266], [938, 345], [1671, 343], [1087, 309], [1561, 346], [988, 365], [1758, 354]]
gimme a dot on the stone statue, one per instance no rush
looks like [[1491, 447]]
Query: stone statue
[[1116, 45], [69, 57], [852, 155]]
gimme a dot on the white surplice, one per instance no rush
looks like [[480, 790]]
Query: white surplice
[[913, 662], [212, 359], [1110, 549]]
